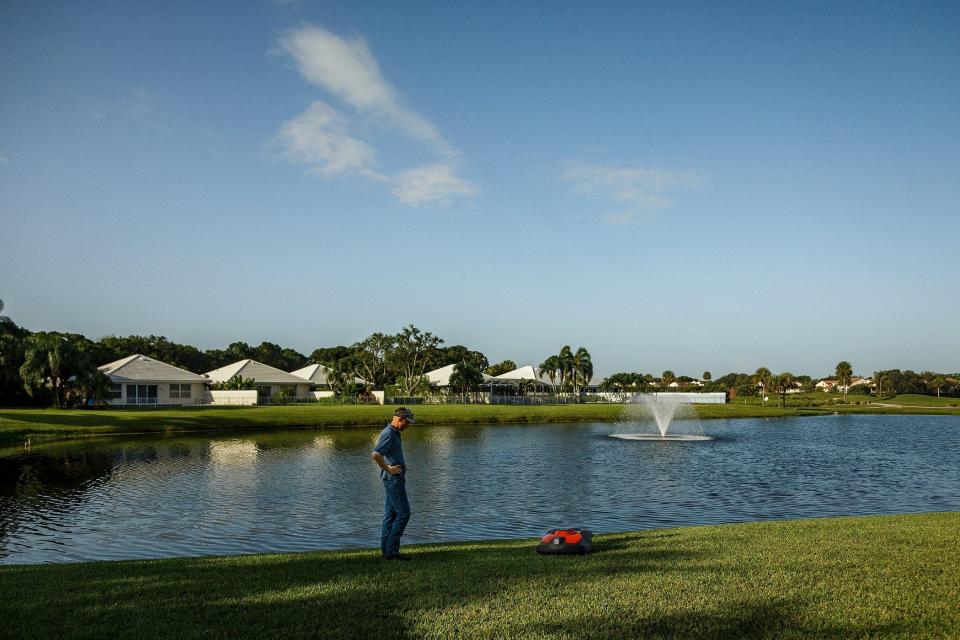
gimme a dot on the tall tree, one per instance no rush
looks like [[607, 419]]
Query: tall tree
[[12, 348], [466, 377], [329, 355], [500, 368], [565, 361], [582, 370], [844, 372], [370, 356], [782, 383], [343, 376], [550, 368], [706, 376], [409, 354], [878, 378], [667, 378], [442, 356], [50, 359], [762, 378], [937, 382]]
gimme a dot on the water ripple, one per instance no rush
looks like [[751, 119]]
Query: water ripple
[[303, 490]]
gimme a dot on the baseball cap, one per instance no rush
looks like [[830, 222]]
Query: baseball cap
[[404, 413]]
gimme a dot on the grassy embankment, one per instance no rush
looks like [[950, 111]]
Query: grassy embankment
[[48, 424], [884, 576], [17, 425]]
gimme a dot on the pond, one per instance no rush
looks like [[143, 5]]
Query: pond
[[318, 489]]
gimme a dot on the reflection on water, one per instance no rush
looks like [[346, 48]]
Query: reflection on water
[[300, 490]]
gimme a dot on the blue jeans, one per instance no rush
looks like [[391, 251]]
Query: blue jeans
[[396, 514]]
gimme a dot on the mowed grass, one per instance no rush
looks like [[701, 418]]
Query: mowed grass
[[16, 425], [917, 400], [885, 576]]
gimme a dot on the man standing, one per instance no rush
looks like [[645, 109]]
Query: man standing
[[388, 454]]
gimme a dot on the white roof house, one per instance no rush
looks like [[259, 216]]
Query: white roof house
[[317, 374], [139, 368], [262, 374], [527, 373], [139, 380], [441, 377]]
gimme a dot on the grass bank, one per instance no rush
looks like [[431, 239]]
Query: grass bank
[[888, 576], [16, 425], [40, 425]]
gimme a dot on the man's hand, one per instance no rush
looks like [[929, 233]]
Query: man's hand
[[394, 469]]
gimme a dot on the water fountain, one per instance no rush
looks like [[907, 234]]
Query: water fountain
[[662, 408]]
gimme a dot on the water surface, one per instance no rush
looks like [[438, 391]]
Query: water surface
[[318, 489]]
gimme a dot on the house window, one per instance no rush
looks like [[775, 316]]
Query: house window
[[141, 394], [179, 390], [116, 392]]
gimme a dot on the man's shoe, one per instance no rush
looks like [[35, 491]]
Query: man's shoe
[[398, 556]]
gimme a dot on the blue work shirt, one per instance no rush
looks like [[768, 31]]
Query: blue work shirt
[[389, 446]]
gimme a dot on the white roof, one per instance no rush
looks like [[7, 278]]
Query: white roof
[[317, 374], [140, 368], [441, 376], [525, 373], [261, 373]]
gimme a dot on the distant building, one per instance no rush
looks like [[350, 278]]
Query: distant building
[[142, 381], [317, 375], [826, 385], [269, 380]]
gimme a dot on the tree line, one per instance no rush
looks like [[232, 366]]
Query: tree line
[[885, 383], [49, 367]]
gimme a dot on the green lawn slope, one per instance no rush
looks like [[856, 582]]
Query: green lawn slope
[[917, 400], [877, 577], [39, 425], [16, 425]]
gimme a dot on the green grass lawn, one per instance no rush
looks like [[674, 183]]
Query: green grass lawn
[[917, 400], [16, 425], [888, 576]]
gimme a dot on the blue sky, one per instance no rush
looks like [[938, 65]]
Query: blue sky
[[691, 186]]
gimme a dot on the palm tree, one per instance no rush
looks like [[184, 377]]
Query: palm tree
[[844, 372], [94, 387], [47, 361], [784, 381], [646, 380], [938, 381], [565, 360], [667, 378], [465, 378], [762, 378], [550, 368], [878, 380], [582, 369]]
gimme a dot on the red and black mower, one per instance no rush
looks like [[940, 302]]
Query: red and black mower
[[566, 541]]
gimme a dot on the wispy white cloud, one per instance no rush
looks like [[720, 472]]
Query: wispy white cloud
[[320, 137], [431, 184], [330, 140], [637, 190], [347, 69]]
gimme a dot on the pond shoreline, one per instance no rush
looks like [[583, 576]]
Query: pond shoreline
[[852, 576], [38, 426]]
